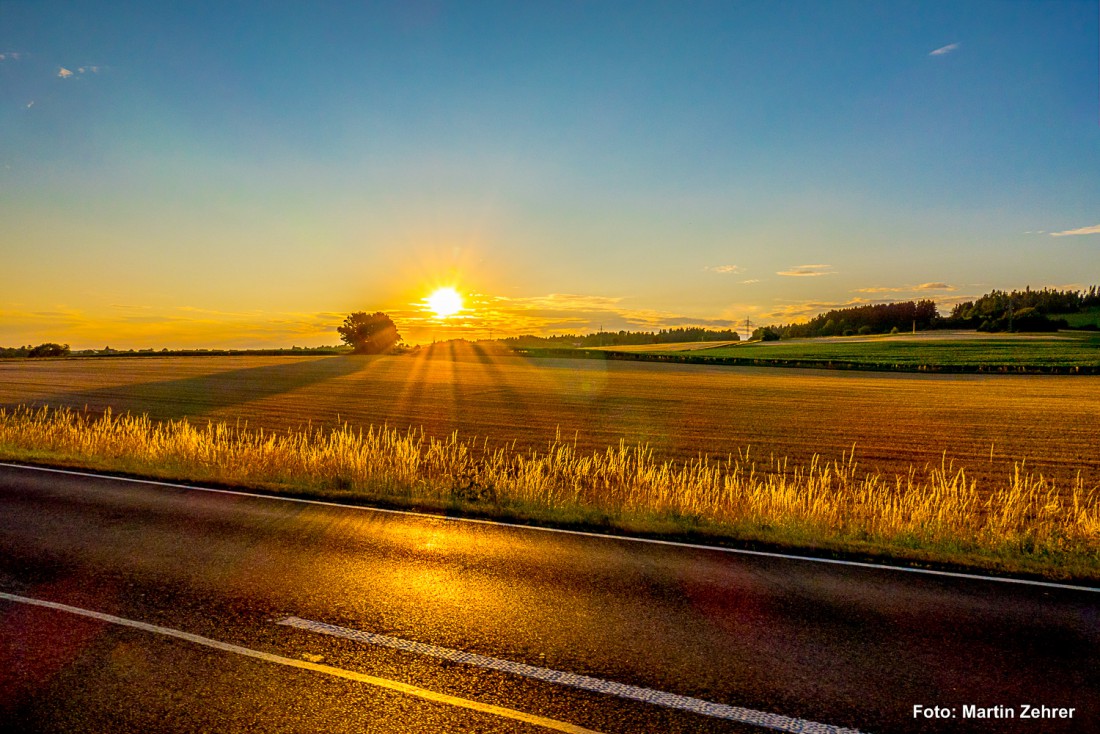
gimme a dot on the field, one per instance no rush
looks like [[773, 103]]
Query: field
[[932, 350], [1088, 317], [983, 422], [783, 436]]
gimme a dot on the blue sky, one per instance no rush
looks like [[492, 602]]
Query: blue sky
[[245, 174]]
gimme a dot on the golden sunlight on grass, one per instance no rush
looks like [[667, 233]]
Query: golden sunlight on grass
[[445, 302], [1021, 522]]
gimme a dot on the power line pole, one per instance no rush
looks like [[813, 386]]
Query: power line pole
[[748, 328]]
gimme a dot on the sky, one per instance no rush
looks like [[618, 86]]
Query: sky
[[246, 174]]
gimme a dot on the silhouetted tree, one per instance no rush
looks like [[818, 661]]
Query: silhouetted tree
[[369, 333], [49, 349]]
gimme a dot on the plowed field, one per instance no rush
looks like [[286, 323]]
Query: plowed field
[[895, 420]]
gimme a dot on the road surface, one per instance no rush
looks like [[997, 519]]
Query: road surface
[[128, 606]]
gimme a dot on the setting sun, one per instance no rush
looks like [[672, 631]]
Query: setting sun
[[445, 302]]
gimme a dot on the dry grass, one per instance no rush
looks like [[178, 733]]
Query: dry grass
[[1024, 522]]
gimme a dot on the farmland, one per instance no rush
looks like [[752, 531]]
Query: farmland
[[984, 471], [985, 423], [931, 351]]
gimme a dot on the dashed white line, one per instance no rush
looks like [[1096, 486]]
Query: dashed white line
[[764, 719], [563, 531], [386, 683]]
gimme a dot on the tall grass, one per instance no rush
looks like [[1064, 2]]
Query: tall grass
[[1023, 522]]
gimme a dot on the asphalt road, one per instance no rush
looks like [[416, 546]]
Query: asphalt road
[[235, 613]]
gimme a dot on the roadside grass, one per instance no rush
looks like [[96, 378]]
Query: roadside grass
[[938, 515]]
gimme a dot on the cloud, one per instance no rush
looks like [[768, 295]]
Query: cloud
[[882, 290], [944, 50], [806, 271], [64, 73], [805, 310], [908, 288], [750, 281], [1094, 229], [724, 268]]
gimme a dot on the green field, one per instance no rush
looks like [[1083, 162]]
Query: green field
[[1088, 317], [931, 352]]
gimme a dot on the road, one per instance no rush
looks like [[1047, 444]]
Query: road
[[179, 609]]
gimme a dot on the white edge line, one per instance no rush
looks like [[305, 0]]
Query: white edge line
[[539, 528], [384, 683], [739, 714]]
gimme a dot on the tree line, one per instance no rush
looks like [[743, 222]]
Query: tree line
[[48, 349], [1025, 310], [878, 318], [623, 338]]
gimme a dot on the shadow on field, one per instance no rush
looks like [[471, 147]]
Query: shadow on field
[[194, 396]]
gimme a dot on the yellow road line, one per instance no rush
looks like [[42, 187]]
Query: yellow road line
[[305, 665]]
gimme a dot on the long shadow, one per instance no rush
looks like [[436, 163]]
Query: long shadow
[[195, 396]]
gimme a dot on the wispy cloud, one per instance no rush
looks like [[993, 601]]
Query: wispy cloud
[[792, 312], [807, 271], [944, 50], [80, 71], [1095, 229], [11, 56], [908, 288], [750, 281], [724, 268]]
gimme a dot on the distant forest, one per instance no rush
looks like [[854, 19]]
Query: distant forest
[[1026, 310], [879, 318], [622, 338]]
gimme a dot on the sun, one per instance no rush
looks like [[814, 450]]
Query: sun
[[445, 302]]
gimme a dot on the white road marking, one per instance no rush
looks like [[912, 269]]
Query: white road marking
[[305, 665], [776, 722], [538, 528]]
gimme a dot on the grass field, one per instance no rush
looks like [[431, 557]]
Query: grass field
[[915, 429], [935, 349], [1088, 317]]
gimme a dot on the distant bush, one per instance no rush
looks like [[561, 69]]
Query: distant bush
[[49, 349], [765, 334]]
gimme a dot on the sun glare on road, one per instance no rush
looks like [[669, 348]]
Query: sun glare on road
[[445, 302]]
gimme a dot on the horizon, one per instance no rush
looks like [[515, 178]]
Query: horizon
[[246, 177]]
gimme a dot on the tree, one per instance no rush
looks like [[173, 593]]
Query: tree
[[369, 333], [49, 349]]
